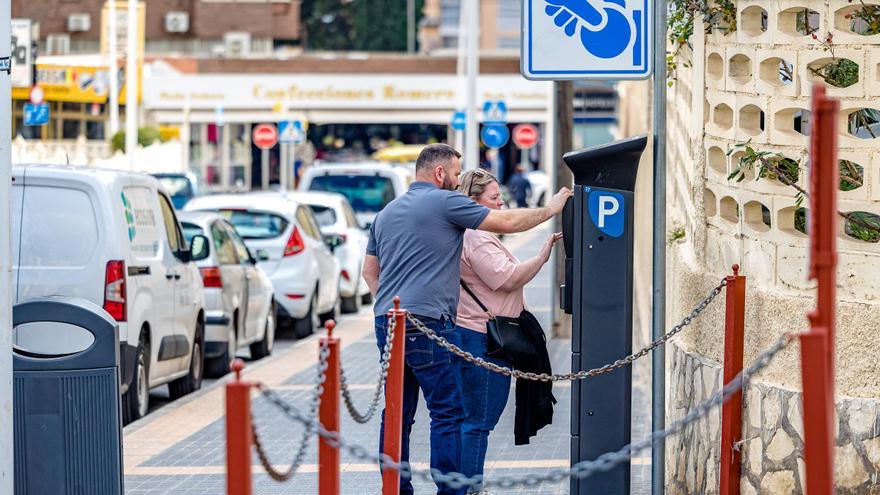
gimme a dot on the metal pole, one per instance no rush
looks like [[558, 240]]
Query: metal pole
[[131, 84], [731, 411], [6, 435], [471, 140], [392, 441], [113, 67], [460, 71], [265, 169], [658, 305], [238, 433], [410, 26], [328, 455], [283, 152], [292, 162]]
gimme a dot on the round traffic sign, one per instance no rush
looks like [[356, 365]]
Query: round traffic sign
[[495, 135], [525, 136], [36, 95], [265, 136]]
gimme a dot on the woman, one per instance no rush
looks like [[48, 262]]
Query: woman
[[496, 277]]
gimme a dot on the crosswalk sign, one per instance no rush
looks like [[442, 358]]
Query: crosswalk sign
[[291, 131]]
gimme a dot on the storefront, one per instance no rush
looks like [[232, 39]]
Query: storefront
[[349, 116]]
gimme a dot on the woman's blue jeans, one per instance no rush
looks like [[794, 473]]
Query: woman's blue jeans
[[485, 395]]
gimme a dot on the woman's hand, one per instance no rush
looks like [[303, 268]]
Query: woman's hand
[[547, 248]]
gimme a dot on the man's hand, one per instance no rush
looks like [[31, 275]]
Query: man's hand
[[557, 202]]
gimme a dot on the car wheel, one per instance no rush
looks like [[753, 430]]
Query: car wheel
[[351, 304], [303, 327], [192, 381], [222, 364], [136, 401], [264, 347], [367, 299]]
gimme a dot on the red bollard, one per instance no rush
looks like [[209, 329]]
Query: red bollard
[[393, 440], [328, 456], [238, 433], [817, 346], [731, 411]]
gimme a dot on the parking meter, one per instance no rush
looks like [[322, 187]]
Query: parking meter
[[598, 240]]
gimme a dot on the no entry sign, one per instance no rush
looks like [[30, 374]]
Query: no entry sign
[[525, 136], [265, 136]]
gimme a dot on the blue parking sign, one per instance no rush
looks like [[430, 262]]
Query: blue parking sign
[[459, 121], [495, 135], [36, 114], [606, 211], [576, 39]]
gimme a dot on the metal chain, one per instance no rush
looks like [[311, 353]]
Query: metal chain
[[542, 377], [314, 403], [384, 363], [580, 470]]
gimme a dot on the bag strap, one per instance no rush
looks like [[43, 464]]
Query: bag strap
[[476, 299]]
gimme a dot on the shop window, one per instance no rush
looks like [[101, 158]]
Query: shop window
[[864, 123], [95, 130], [70, 129], [776, 71]]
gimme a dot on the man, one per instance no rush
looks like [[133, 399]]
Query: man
[[413, 252], [519, 187]]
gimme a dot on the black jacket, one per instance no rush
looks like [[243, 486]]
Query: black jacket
[[534, 400]]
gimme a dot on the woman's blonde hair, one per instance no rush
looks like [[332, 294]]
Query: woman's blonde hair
[[474, 182]]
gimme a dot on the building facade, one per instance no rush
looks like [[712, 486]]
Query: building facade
[[738, 92]]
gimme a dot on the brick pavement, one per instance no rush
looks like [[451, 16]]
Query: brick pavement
[[180, 448]]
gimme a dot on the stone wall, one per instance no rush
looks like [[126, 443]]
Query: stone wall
[[729, 90], [772, 445]]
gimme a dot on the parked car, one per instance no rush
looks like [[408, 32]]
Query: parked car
[[287, 242], [336, 218], [368, 186], [239, 301], [540, 183], [182, 187], [112, 238]]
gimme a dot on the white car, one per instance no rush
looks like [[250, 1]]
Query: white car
[[112, 238], [336, 218], [239, 301], [368, 186], [289, 246], [540, 183]]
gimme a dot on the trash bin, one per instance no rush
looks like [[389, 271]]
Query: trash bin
[[68, 433]]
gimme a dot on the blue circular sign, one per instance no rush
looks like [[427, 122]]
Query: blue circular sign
[[495, 135], [459, 121]]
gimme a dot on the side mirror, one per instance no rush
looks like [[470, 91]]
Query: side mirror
[[262, 255], [199, 248], [333, 241]]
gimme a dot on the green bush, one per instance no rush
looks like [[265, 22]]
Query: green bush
[[146, 137]]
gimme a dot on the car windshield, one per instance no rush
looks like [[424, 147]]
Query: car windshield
[[256, 224], [176, 186], [191, 230], [366, 193], [324, 215]]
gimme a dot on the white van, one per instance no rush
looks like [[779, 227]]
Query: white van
[[112, 238]]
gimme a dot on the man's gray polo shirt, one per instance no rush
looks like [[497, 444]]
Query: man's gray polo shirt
[[418, 239]]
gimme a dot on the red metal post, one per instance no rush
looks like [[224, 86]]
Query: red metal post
[[731, 411], [817, 346], [328, 456], [238, 433], [394, 402]]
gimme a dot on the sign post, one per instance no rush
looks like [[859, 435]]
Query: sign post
[[7, 450], [265, 136], [291, 133], [598, 240]]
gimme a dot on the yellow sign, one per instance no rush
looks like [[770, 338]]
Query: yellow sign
[[75, 84]]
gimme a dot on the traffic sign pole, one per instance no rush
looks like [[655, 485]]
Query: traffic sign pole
[[6, 435]]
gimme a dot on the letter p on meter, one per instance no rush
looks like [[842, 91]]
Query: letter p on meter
[[607, 212]]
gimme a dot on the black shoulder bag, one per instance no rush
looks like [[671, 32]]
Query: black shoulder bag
[[509, 338]]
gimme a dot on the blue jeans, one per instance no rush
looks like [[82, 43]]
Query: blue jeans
[[435, 371], [485, 395]]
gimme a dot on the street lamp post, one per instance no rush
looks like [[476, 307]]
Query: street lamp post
[[131, 84], [471, 141]]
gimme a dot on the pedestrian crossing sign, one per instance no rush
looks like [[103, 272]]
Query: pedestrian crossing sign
[[292, 131]]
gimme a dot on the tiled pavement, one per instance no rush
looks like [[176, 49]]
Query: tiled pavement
[[180, 448]]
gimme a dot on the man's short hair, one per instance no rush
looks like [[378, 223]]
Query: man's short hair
[[435, 154]]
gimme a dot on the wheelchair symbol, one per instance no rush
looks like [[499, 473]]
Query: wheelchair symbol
[[606, 28]]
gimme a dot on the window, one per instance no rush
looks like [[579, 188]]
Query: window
[[324, 215], [226, 253], [244, 255], [366, 193], [350, 216], [174, 237], [256, 224], [191, 230], [306, 221], [508, 15]]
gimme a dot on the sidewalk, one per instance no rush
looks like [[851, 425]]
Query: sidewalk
[[181, 449]]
